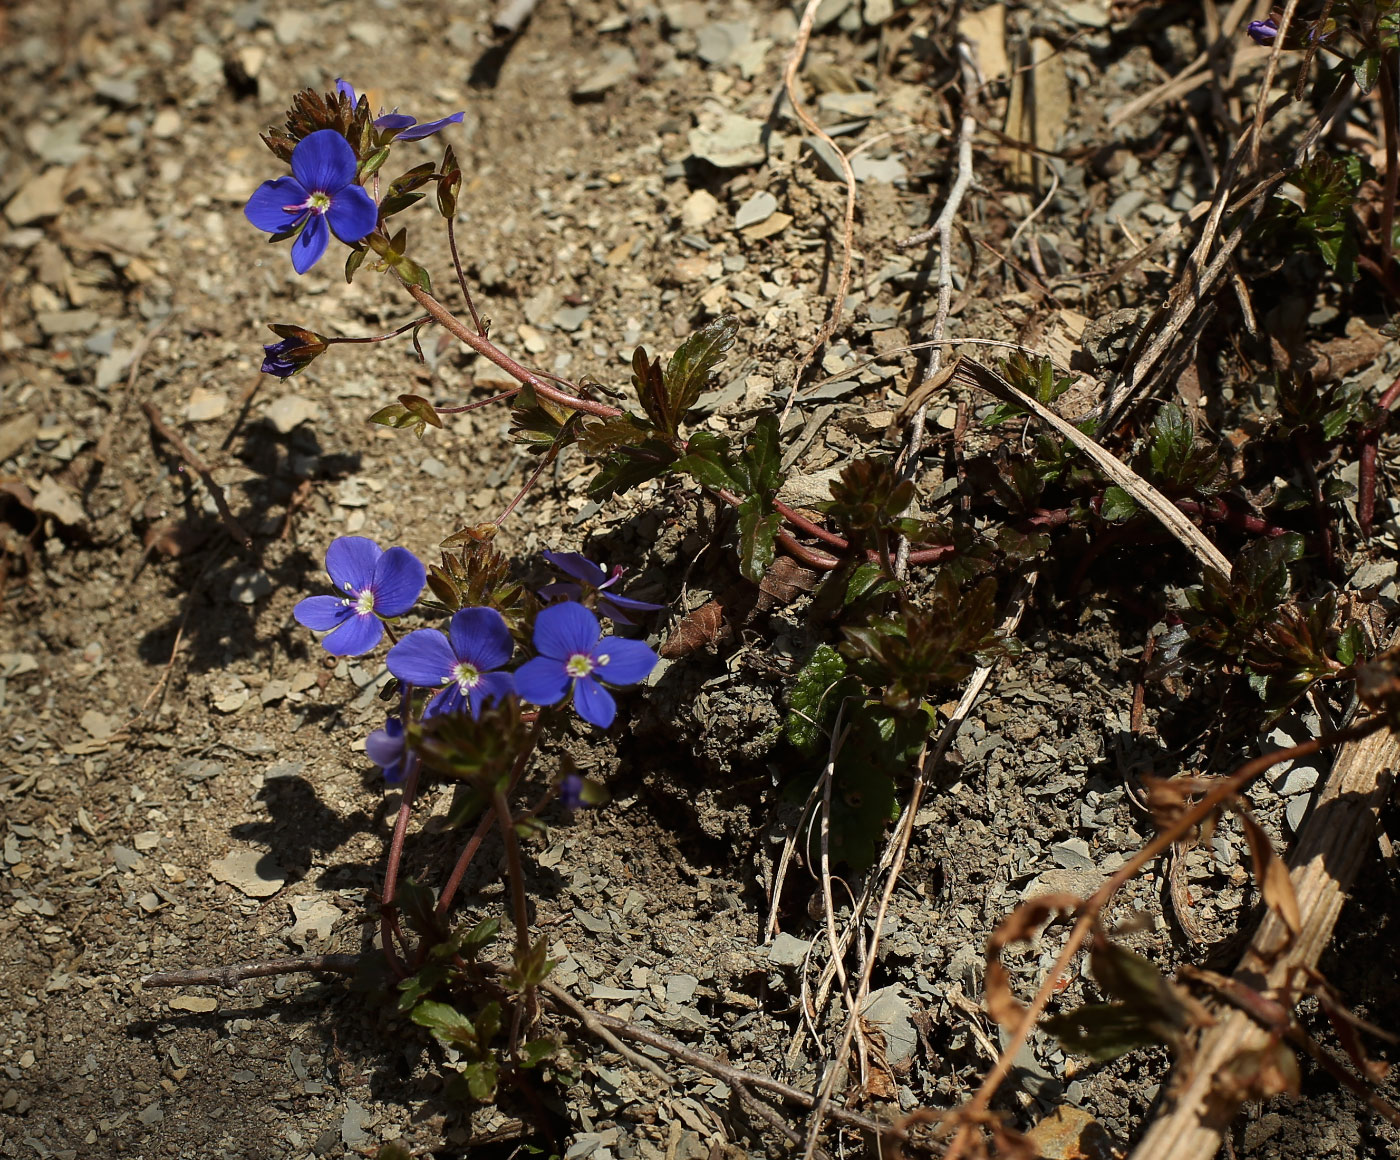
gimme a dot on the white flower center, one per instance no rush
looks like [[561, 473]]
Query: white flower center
[[466, 676], [579, 665], [364, 603]]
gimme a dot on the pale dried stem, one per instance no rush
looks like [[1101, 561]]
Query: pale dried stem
[[1330, 852], [943, 227], [843, 282]]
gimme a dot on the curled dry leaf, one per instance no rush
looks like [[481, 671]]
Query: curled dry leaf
[[1274, 883], [1018, 926], [696, 630]]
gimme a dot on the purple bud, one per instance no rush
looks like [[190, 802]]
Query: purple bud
[[1262, 31], [571, 791]]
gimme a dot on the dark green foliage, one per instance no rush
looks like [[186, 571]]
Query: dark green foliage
[[1034, 377], [479, 575], [1147, 1009], [478, 751], [1301, 644], [667, 395], [1322, 214], [1325, 409], [1222, 615], [1176, 462], [449, 184], [920, 649], [402, 191]]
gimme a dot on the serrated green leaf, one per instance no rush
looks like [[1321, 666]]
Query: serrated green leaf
[[688, 373], [868, 580], [626, 467], [757, 531], [1117, 505], [808, 700], [1366, 70], [481, 1078], [709, 463], [762, 457], [598, 438]]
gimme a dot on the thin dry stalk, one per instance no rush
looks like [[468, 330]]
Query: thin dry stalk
[[1331, 851], [200, 468], [848, 226], [892, 860]]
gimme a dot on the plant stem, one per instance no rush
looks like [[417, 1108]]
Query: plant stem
[[388, 913], [449, 890], [1392, 155], [404, 329], [461, 277], [489, 350], [1370, 442]]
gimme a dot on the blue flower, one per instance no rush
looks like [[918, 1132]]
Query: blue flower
[[1262, 31], [571, 791], [408, 128], [575, 655], [588, 574], [320, 198], [298, 348], [375, 582], [385, 748], [477, 643]]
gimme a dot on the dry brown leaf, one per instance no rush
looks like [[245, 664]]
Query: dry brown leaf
[[1274, 883]]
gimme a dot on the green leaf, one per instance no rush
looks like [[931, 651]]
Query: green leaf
[[1350, 644], [447, 1023], [757, 531], [868, 580], [421, 409], [598, 438], [371, 164], [397, 203], [472, 942], [393, 1150], [689, 371], [1366, 69], [1117, 505], [762, 457], [417, 904], [1172, 438], [709, 463], [449, 185], [810, 702], [1103, 1031], [353, 261], [413, 274], [536, 1051], [626, 467], [481, 1078]]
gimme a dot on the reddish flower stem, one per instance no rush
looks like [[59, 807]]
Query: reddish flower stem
[[1370, 439], [388, 912]]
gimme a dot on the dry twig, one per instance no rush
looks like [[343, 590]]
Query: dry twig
[[200, 468]]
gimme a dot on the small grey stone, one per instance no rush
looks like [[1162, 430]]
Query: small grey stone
[[1296, 811], [890, 1010], [288, 412], [101, 341], [788, 950], [255, 874], [728, 140], [828, 163], [680, 989], [886, 169], [570, 318], [598, 925], [759, 208], [618, 65], [719, 40], [38, 198], [53, 499], [353, 1124], [290, 25], [59, 322], [17, 432], [118, 91], [126, 858], [1072, 854], [1299, 779], [151, 1114]]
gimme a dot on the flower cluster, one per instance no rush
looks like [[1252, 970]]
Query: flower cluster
[[466, 667]]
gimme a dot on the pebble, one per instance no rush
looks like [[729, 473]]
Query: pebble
[[60, 322], [38, 198], [775, 224], [718, 40], [53, 499], [254, 873], [228, 694], [570, 318], [619, 64], [759, 208], [699, 209], [126, 859], [1296, 810], [290, 25], [1072, 854], [289, 412], [166, 124], [17, 433], [118, 91], [98, 725], [353, 1124], [680, 989], [312, 917], [247, 586], [788, 950], [727, 140], [890, 1009], [196, 1004], [889, 170], [205, 405]]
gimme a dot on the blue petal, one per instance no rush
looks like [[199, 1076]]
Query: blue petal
[[578, 566], [491, 688], [422, 658], [594, 703], [310, 244], [623, 662], [398, 580], [351, 561], [322, 613], [355, 637], [385, 746], [617, 607], [353, 214], [324, 162], [449, 701], [565, 630], [542, 681], [345, 88], [394, 121], [267, 208], [480, 637], [428, 128]]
